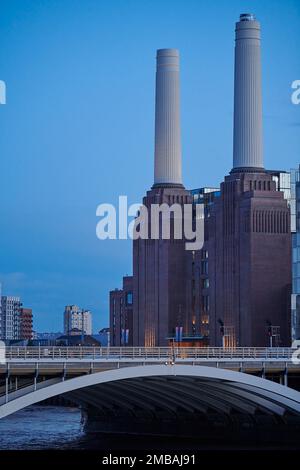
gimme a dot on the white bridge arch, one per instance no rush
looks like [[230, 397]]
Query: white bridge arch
[[188, 387]]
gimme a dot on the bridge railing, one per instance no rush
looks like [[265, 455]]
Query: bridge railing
[[139, 353]]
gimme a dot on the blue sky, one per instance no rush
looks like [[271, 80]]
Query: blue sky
[[77, 129]]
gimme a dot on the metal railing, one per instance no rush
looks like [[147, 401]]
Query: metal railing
[[11, 393], [143, 353]]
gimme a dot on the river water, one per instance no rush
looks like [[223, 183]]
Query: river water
[[58, 427], [41, 427]]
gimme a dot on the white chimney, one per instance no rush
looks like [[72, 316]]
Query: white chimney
[[167, 166], [247, 133]]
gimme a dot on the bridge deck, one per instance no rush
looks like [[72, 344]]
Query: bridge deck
[[56, 352], [81, 360]]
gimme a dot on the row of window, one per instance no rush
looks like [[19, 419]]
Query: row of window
[[268, 221], [260, 185], [128, 301]]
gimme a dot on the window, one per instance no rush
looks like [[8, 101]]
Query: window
[[204, 267], [205, 303], [129, 298]]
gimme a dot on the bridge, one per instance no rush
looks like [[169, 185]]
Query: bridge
[[141, 386]]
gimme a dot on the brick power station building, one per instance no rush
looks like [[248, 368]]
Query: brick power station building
[[235, 290]]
